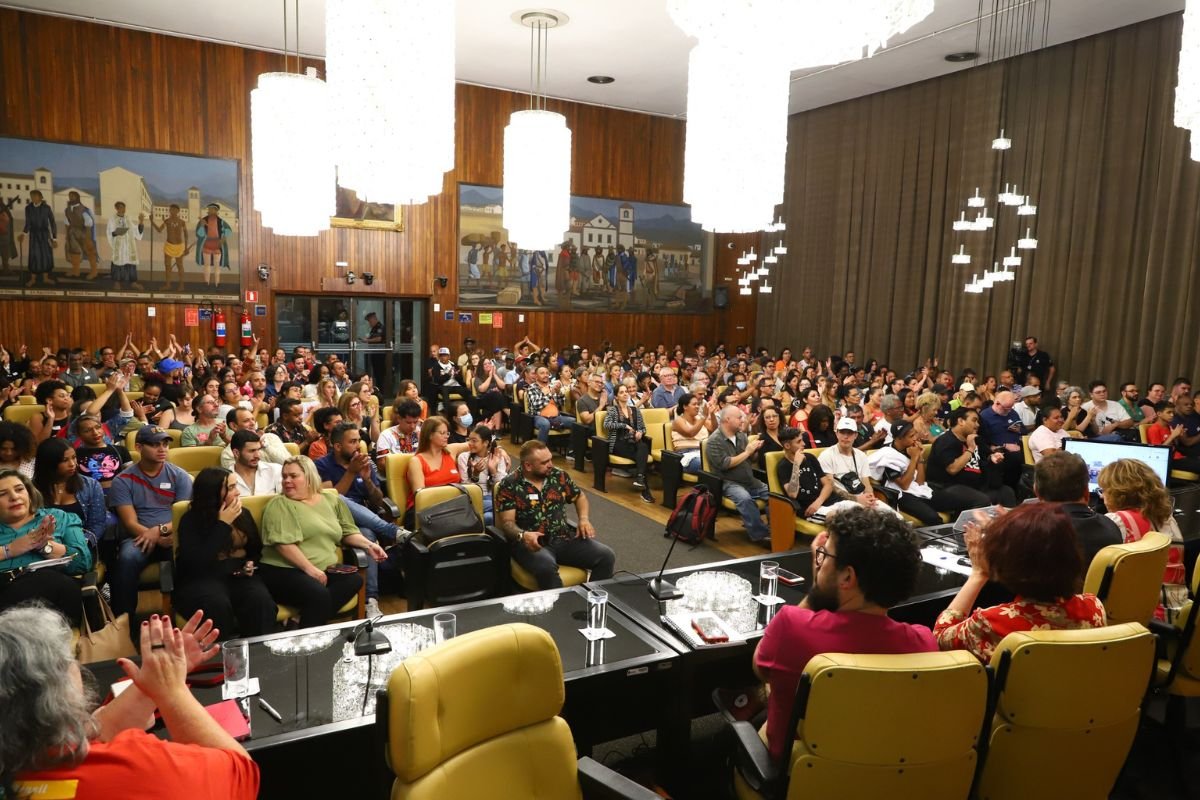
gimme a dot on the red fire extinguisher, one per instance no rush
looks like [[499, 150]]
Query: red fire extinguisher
[[219, 326], [247, 333]]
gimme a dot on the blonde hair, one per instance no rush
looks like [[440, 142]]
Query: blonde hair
[[927, 401], [309, 470], [1128, 484], [321, 390]]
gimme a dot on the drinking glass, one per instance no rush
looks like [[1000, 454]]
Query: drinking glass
[[235, 656], [444, 627], [597, 610], [768, 578]]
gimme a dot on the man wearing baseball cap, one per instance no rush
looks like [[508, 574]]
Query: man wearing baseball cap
[[141, 495], [1027, 407]]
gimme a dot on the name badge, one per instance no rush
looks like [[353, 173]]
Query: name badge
[[164, 486]]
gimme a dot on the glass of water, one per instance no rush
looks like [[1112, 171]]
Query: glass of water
[[444, 627], [597, 610], [768, 578], [235, 656]]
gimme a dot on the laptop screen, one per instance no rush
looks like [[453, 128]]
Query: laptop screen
[[1098, 455]]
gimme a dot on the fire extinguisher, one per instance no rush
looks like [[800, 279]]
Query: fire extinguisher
[[219, 326], [247, 333]]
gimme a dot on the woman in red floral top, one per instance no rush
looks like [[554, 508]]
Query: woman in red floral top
[[1032, 551]]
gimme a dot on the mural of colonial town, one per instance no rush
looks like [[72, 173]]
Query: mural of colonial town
[[93, 223], [617, 256]]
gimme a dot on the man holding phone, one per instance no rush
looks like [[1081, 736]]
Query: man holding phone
[[1000, 428]]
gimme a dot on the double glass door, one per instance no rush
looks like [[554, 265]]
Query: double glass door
[[377, 335]]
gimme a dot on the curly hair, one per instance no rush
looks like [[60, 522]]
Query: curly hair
[[1130, 484], [883, 550], [20, 436], [1034, 552], [47, 718]]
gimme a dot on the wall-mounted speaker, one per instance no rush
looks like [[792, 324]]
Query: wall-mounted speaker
[[720, 297]]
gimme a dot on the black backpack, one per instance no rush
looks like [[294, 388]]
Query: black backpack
[[694, 517]]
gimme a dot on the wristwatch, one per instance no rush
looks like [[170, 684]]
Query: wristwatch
[[48, 548]]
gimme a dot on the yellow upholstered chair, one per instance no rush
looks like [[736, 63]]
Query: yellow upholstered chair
[[292, 448], [26, 400], [656, 416], [1067, 708], [602, 457], [1179, 673], [671, 467], [570, 576], [785, 522], [396, 473], [1027, 452], [1128, 578], [454, 569], [131, 443], [193, 459], [926, 713], [439, 745], [98, 388], [705, 467], [21, 414]]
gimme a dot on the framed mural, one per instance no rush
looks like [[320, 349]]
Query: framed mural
[[97, 223], [355, 213], [618, 256]]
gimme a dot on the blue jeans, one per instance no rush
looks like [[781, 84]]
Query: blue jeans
[[542, 425], [487, 507], [126, 570], [374, 527], [1107, 437], [744, 499]]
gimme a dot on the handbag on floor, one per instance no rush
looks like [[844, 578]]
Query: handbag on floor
[[108, 643], [449, 518]]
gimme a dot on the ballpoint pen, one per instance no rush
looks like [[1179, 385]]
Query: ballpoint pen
[[267, 707]]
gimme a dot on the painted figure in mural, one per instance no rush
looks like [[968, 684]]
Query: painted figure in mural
[[486, 262], [8, 244], [650, 276], [473, 263], [610, 262], [538, 264], [80, 237], [123, 237], [176, 245], [598, 270], [212, 245], [43, 238], [503, 262], [574, 272]]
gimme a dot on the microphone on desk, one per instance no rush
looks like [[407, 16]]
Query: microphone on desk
[[660, 589], [368, 641]]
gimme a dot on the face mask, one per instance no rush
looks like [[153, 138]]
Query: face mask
[[741, 385], [465, 420]]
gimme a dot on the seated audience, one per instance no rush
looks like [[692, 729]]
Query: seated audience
[[594, 400], [52, 738], [960, 475], [668, 392], [408, 391], [240, 419], [1110, 421], [730, 455], [55, 398], [354, 410], [801, 476], [324, 421], [56, 476], [219, 552], [627, 437], [492, 394], [694, 420], [1062, 477], [405, 433], [1075, 416], [301, 532], [16, 448], [289, 428], [1049, 436], [1034, 553], [1028, 401], [1130, 401], [1138, 503], [253, 473], [434, 465], [863, 564], [530, 509], [820, 427], [207, 429], [1186, 417], [460, 421], [485, 463], [926, 420], [1164, 432], [141, 496], [545, 401], [848, 467], [99, 458], [768, 427], [1000, 431], [29, 533], [182, 415], [892, 409], [901, 467]]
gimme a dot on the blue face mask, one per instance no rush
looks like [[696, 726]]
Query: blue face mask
[[741, 385], [465, 420]]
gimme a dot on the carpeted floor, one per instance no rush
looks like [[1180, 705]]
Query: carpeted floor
[[639, 541]]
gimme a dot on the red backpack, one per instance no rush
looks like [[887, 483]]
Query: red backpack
[[694, 517]]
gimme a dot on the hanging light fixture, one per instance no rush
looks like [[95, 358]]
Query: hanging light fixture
[[537, 153], [1026, 209], [391, 78], [291, 162], [1028, 243], [978, 201], [1012, 259], [961, 257]]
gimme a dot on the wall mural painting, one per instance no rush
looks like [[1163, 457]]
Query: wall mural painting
[[95, 224], [617, 256]]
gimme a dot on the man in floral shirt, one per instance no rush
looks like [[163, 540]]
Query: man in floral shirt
[[531, 510]]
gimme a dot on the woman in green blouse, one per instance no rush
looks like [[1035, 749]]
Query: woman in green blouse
[[302, 530], [30, 534]]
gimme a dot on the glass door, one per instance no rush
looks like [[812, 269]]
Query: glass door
[[379, 336]]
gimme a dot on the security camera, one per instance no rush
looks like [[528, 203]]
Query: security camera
[[368, 278], [351, 278], [443, 281], [264, 272]]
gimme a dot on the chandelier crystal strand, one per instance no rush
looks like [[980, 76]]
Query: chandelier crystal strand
[[1187, 85], [293, 167], [390, 69]]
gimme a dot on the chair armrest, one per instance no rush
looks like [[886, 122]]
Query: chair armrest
[[354, 555], [392, 508], [598, 782], [752, 759], [713, 482], [417, 547]]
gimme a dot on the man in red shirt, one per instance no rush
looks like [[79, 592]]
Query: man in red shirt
[[863, 564]]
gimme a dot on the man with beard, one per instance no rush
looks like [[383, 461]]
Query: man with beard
[[863, 563]]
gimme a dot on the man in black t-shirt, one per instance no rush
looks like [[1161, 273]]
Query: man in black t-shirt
[[959, 473], [801, 476]]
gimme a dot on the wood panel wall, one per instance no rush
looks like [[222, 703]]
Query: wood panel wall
[[114, 87]]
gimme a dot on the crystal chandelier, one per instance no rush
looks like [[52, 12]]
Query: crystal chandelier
[[390, 68], [291, 162], [733, 160], [537, 155], [1187, 86]]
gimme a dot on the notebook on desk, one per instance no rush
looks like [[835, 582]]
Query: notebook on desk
[[229, 716]]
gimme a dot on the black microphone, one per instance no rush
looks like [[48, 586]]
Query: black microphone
[[660, 589], [368, 641]]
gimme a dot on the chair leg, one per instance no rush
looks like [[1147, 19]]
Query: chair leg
[[599, 463]]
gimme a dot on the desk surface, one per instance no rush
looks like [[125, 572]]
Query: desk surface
[[630, 595], [301, 687]]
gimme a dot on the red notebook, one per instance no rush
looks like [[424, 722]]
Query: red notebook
[[229, 716]]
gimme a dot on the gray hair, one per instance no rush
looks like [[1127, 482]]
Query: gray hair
[[1074, 390], [889, 402], [47, 717]]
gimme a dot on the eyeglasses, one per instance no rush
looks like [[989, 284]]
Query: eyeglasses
[[822, 554]]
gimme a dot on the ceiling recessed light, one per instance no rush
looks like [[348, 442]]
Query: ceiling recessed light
[[600, 79], [958, 58]]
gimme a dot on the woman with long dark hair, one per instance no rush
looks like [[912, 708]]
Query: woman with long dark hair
[[57, 477], [219, 552]]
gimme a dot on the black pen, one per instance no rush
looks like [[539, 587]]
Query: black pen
[[267, 707]]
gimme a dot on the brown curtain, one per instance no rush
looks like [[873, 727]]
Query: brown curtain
[[873, 185]]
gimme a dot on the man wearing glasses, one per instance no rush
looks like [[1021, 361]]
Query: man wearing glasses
[[863, 564]]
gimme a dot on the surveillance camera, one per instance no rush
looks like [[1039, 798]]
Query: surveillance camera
[[264, 272], [443, 281], [350, 278], [368, 278]]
